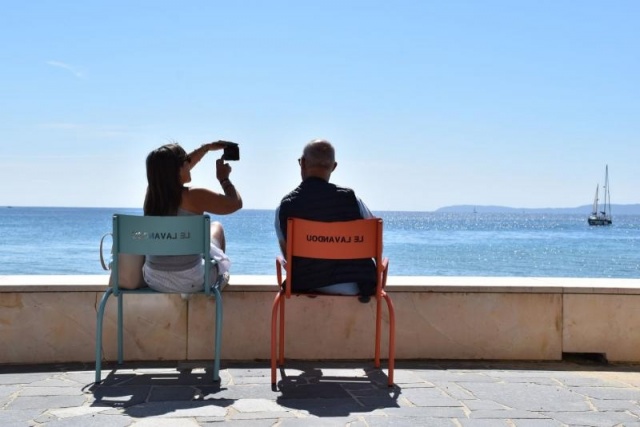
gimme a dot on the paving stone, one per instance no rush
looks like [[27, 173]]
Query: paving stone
[[377, 402], [409, 422], [251, 380], [531, 397], [484, 423], [155, 422], [527, 379], [257, 405], [252, 372], [314, 391], [238, 392], [506, 414], [54, 382], [164, 379], [583, 381], [459, 376], [323, 407], [22, 378], [81, 377], [477, 404], [430, 397], [176, 410], [50, 391], [372, 392], [209, 421], [593, 418], [8, 390], [172, 393], [95, 420], [609, 393], [264, 415], [454, 390], [247, 423], [77, 411], [319, 422], [417, 412], [35, 402], [19, 418], [121, 397], [538, 423], [403, 377], [435, 402], [615, 405]]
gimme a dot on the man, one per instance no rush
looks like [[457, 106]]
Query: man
[[317, 199]]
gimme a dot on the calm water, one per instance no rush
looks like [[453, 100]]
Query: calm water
[[65, 241]]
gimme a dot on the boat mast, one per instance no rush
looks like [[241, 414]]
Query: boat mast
[[607, 200], [594, 209]]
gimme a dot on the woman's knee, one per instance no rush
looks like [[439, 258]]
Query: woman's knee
[[217, 233]]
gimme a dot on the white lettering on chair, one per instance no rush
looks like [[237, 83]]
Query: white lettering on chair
[[143, 235], [334, 239]]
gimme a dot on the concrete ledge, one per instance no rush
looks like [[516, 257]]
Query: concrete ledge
[[265, 283], [51, 319]]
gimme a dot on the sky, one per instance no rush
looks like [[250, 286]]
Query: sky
[[428, 103]]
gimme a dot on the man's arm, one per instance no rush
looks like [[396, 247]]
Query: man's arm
[[364, 210], [280, 234]]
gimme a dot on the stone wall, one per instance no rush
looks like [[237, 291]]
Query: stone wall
[[51, 319]]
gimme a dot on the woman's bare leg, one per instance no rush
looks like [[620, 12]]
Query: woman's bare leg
[[217, 234]]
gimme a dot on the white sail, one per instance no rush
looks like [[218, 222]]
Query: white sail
[[602, 217]]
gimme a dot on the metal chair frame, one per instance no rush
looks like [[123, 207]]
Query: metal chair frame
[[158, 235], [368, 244]]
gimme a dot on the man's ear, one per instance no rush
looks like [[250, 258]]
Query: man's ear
[[335, 165]]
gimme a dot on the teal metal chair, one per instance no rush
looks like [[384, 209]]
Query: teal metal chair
[[158, 235]]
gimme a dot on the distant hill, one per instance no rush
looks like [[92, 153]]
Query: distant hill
[[584, 210]]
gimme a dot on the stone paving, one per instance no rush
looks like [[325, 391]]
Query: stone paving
[[427, 393]]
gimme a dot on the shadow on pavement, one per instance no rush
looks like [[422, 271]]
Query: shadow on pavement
[[335, 392], [148, 393]]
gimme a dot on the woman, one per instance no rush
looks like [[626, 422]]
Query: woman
[[168, 170]]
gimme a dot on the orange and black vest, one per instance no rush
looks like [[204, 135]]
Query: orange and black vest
[[318, 200]]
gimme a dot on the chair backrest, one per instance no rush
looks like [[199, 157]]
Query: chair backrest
[[355, 239], [161, 235]]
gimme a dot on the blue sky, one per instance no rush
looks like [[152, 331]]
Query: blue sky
[[428, 103]]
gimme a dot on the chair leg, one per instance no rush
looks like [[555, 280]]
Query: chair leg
[[378, 330], [218, 335], [274, 335], [99, 319], [392, 337], [120, 332], [281, 339]]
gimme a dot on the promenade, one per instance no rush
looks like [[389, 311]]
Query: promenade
[[427, 393]]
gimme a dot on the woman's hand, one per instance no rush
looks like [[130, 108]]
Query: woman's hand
[[223, 170]]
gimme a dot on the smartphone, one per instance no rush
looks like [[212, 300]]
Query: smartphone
[[231, 151]]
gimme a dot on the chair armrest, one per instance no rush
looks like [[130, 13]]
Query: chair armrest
[[384, 269], [281, 264], [102, 262]]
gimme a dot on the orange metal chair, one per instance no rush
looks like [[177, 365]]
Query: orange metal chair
[[362, 239]]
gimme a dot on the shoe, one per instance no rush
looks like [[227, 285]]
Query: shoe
[[364, 298], [224, 281]]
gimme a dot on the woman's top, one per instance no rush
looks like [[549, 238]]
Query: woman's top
[[174, 262]]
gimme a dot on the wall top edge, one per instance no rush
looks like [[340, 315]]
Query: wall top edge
[[267, 283]]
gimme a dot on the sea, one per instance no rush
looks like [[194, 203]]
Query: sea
[[65, 241]]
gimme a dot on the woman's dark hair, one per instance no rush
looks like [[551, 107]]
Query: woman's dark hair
[[164, 189]]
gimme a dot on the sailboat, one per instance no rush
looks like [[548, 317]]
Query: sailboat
[[601, 217]]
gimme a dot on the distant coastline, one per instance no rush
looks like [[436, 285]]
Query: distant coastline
[[633, 209]]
